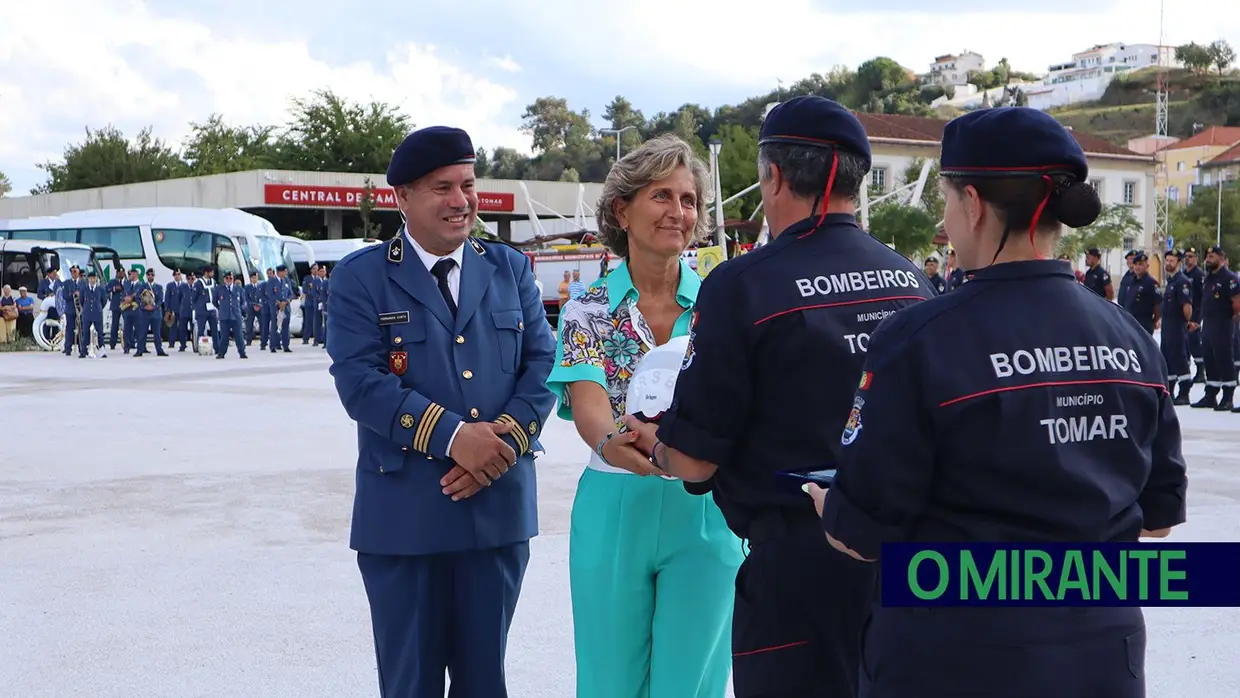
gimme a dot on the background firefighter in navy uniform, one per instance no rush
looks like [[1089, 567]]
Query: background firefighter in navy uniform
[[1141, 297], [774, 356], [1097, 278], [1220, 304], [441, 352], [1177, 320], [1198, 276], [1126, 280], [1045, 425]]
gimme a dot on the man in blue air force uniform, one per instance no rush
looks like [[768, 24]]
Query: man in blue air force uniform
[[116, 291], [229, 298], [129, 309], [253, 306], [441, 355], [94, 295], [282, 295], [206, 317], [150, 314]]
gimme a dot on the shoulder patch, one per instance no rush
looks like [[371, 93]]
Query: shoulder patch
[[396, 249], [473, 242], [852, 429]]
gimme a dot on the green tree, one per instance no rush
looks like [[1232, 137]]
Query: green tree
[[482, 163], [328, 133], [214, 147], [1198, 224], [365, 209], [738, 169], [106, 158], [1194, 56], [931, 195], [1222, 55], [1114, 223], [5, 185], [910, 229]]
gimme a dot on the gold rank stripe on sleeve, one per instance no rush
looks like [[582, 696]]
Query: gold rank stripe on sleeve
[[430, 417], [517, 433]]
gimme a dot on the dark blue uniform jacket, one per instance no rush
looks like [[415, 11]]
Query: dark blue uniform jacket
[[775, 351], [1049, 422]]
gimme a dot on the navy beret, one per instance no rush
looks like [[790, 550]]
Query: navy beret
[[426, 150], [1010, 142], [815, 121]]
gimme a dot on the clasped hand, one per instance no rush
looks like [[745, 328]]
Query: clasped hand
[[631, 450], [481, 457]]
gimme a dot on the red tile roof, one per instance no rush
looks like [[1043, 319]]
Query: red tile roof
[[1214, 135], [919, 128], [1231, 155]]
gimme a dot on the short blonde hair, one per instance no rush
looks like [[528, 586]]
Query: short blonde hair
[[655, 159]]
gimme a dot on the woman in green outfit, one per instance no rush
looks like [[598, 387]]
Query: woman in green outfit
[[652, 567]]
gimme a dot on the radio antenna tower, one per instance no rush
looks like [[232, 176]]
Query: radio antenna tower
[[1162, 218]]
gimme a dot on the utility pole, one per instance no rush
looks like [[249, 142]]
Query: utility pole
[[1162, 212], [617, 131], [720, 237]]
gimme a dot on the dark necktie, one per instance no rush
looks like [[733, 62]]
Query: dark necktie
[[441, 270]]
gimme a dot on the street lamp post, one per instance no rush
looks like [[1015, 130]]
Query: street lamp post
[[1218, 225], [720, 239], [617, 131]]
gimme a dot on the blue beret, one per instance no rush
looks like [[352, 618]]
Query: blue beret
[[815, 121], [426, 150], [1010, 142]]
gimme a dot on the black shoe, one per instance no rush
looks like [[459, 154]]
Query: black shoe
[[243, 356], [1207, 401], [219, 356], [288, 351]]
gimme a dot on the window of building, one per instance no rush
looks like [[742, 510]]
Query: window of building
[[1097, 185], [1179, 166], [1130, 193], [193, 250], [878, 179], [1173, 193], [1128, 242], [126, 241]]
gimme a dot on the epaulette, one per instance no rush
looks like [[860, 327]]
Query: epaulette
[[396, 249]]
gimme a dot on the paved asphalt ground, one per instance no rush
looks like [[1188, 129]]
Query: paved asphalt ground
[[178, 528]]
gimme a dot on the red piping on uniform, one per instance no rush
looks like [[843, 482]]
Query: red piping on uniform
[[790, 645], [836, 305], [1053, 384]]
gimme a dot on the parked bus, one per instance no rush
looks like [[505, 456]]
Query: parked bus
[[24, 263], [169, 238]]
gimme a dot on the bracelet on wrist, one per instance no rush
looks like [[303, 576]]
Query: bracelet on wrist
[[598, 450]]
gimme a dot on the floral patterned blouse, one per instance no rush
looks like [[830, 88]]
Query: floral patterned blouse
[[602, 336]]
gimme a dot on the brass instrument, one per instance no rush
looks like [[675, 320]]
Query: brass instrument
[[77, 311], [147, 299], [128, 303]]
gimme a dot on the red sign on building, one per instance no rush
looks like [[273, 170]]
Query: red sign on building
[[307, 196]]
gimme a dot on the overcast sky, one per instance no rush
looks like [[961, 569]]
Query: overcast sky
[[68, 64]]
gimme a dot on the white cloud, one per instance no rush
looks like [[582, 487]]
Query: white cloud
[[65, 64], [506, 64], [731, 42]]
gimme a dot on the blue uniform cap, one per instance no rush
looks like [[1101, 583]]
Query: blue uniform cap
[[1139, 257], [1010, 142], [1217, 250], [815, 121], [426, 150]]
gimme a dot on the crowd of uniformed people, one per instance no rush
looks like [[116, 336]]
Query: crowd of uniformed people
[[696, 550], [192, 307]]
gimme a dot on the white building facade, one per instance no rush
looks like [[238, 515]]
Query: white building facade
[[1126, 179], [1089, 73], [954, 69]]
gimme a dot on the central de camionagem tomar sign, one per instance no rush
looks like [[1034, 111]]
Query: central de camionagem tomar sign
[[308, 196]]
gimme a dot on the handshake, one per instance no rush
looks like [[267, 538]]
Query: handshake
[[481, 457]]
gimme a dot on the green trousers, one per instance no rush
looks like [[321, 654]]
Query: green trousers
[[653, 571]]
